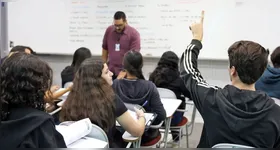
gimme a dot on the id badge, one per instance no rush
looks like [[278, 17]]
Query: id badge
[[117, 47]]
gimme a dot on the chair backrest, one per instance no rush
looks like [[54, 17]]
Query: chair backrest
[[98, 133], [67, 84], [166, 93], [227, 145], [276, 100]]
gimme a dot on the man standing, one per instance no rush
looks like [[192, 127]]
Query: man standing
[[237, 113], [118, 39]]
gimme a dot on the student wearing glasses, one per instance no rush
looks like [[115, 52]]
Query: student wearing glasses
[[119, 39]]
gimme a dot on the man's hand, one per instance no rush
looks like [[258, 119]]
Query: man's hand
[[197, 28]]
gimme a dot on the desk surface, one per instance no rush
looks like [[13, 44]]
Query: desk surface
[[129, 138], [170, 105], [60, 103]]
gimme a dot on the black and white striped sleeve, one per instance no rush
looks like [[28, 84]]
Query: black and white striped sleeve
[[199, 89]]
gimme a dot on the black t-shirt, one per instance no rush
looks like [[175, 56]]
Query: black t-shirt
[[114, 141]]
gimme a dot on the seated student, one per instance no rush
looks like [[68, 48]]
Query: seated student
[[237, 113], [134, 89], [24, 124], [93, 97], [17, 49], [270, 80], [166, 75], [67, 74]]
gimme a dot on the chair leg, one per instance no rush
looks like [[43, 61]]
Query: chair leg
[[187, 136], [180, 135], [128, 145]]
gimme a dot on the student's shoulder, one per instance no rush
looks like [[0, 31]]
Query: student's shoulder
[[116, 82], [147, 83], [132, 30], [29, 112], [67, 69]]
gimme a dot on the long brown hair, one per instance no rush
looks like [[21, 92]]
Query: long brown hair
[[91, 97]]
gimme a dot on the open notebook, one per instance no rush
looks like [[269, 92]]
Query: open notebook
[[75, 134], [150, 117], [72, 132]]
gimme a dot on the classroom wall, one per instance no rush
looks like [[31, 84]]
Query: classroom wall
[[3, 29]]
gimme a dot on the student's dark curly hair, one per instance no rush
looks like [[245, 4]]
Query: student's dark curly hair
[[24, 80], [166, 70]]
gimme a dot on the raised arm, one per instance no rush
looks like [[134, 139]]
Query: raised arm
[[199, 89], [49, 96]]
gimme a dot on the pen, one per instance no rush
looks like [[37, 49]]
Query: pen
[[145, 103]]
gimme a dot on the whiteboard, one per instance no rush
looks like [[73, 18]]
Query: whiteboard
[[62, 26]]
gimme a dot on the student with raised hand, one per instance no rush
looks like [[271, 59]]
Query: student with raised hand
[[132, 88], [166, 75], [24, 122], [237, 113], [270, 80], [67, 74], [92, 97]]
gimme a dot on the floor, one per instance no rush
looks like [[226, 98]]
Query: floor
[[195, 136], [193, 139]]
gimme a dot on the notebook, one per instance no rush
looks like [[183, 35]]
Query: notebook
[[74, 131]]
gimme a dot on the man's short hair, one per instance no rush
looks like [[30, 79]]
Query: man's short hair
[[249, 59], [275, 57], [120, 15], [21, 48]]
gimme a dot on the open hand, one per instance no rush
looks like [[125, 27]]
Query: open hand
[[197, 28]]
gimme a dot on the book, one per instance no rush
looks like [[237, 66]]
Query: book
[[74, 131]]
